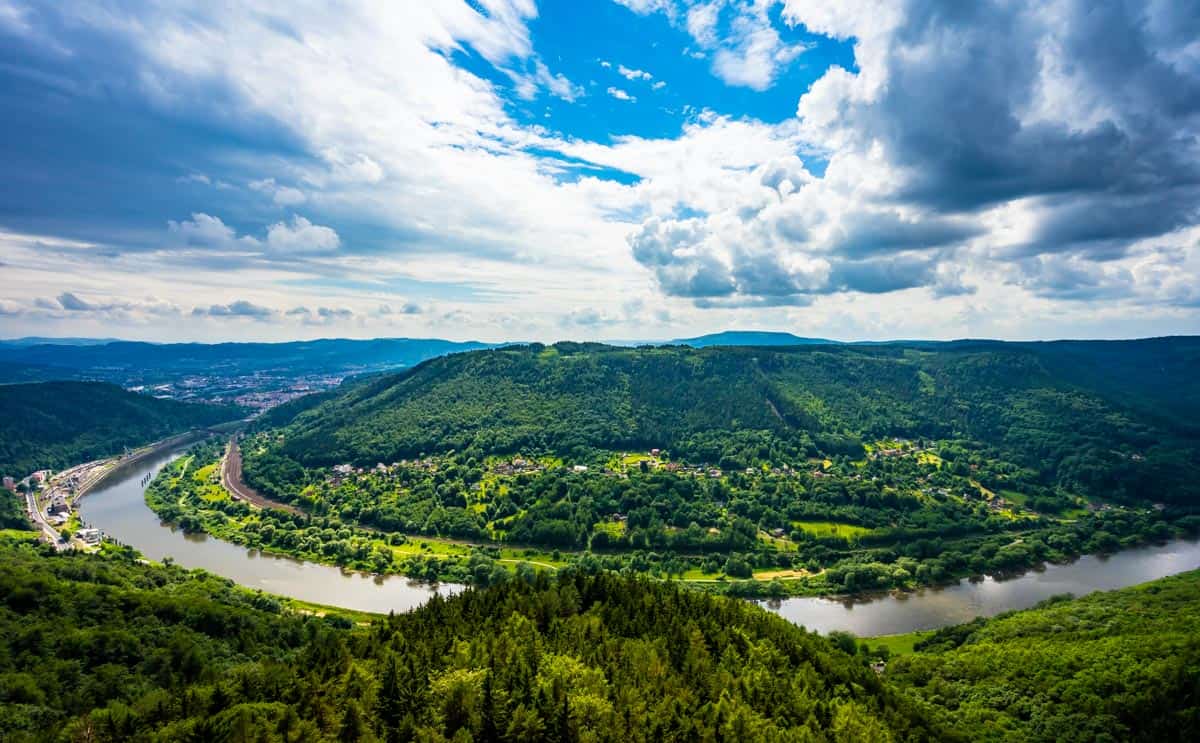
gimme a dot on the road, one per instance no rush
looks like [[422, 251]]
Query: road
[[231, 478], [39, 520]]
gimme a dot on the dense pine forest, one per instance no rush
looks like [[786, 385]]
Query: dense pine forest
[[105, 648]]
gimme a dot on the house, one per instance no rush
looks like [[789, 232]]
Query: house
[[579, 468], [58, 505], [89, 536], [9, 483]]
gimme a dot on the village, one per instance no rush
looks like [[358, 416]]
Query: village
[[51, 499]]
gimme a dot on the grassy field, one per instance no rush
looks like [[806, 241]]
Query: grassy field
[[831, 529], [928, 457], [778, 543], [1013, 496], [19, 535], [898, 644], [612, 528]]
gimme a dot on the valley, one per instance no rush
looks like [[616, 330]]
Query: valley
[[606, 510], [762, 472]]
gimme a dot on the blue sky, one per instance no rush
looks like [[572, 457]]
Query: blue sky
[[506, 169]]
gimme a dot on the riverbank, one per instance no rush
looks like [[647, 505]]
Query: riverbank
[[121, 510], [70, 486], [192, 497]]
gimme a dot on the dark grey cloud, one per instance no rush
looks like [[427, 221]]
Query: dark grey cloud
[[1103, 226], [883, 275], [964, 79], [867, 234], [699, 276], [72, 303], [1075, 279], [93, 142]]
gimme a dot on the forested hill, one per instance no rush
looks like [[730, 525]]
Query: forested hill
[[112, 650], [106, 649], [1120, 665], [58, 424], [1068, 413]]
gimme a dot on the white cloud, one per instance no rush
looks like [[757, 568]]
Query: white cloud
[[631, 74], [747, 50], [702, 22], [298, 236], [301, 236], [645, 7], [753, 54], [620, 95], [203, 230], [280, 195]]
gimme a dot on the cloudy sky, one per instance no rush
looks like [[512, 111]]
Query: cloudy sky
[[628, 169]]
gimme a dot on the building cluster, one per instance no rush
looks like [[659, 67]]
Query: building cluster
[[258, 391], [89, 536], [517, 466], [342, 472]]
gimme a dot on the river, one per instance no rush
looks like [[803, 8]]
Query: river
[[118, 507]]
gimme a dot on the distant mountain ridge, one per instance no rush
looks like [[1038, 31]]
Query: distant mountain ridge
[[748, 338], [37, 340], [335, 355]]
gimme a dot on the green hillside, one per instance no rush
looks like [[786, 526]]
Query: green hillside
[[1121, 665], [104, 648], [59, 424], [110, 650], [739, 407]]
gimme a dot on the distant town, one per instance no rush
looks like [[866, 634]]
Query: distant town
[[257, 392]]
